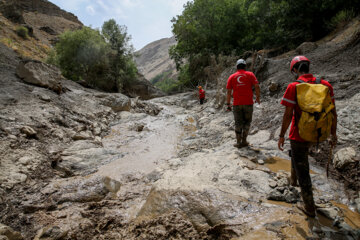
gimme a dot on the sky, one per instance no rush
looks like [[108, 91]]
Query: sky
[[146, 20]]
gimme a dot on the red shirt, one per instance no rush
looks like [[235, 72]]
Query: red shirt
[[289, 100], [241, 83], [201, 93]]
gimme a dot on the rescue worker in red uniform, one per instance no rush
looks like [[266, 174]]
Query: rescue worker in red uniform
[[201, 95], [239, 85], [300, 66]]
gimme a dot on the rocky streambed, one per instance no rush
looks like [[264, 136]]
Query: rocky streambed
[[76, 163], [170, 171]]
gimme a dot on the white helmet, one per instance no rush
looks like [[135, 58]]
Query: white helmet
[[240, 61]]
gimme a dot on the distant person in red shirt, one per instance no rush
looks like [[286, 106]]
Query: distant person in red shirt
[[201, 95], [300, 67], [240, 86]]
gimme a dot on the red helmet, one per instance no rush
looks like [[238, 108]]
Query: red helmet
[[296, 60]]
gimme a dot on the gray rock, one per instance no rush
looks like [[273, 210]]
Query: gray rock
[[357, 202], [275, 195], [290, 197], [9, 233], [86, 135], [25, 160], [82, 189], [343, 157], [28, 131], [117, 101], [306, 47], [273, 87], [330, 212], [40, 74], [51, 233], [272, 184]]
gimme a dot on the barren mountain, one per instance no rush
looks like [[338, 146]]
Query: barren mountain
[[44, 21], [153, 59]]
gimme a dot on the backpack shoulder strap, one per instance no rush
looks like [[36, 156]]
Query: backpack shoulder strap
[[318, 80], [300, 81]]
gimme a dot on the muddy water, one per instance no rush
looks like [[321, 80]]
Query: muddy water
[[158, 141], [143, 150]]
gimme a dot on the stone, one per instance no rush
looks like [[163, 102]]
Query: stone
[[82, 190], [51, 233], [290, 197], [306, 47], [273, 87], [343, 157], [329, 212], [28, 131], [9, 233], [40, 74], [85, 135], [25, 160], [275, 195], [261, 162], [272, 184], [357, 203], [259, 138], [117, 102]]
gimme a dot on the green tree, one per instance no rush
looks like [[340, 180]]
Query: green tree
[[103, 59], [122, 64], [212, 27], [82, 55]]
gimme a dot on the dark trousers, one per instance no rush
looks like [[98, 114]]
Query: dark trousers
[[243, 118], [300, 162], [202, 100]]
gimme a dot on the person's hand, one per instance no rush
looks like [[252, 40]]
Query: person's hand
[[258, 100], [228, 109], [281, 143], [333, 140]]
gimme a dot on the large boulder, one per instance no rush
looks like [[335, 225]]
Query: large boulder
[[344, 156], [142, 88], [306, 47], [40, 74], [117, 101]]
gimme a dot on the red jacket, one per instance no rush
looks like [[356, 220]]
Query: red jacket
[[201, 93]]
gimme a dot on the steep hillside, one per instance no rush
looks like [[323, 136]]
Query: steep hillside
[[44, 21], [153, 59]]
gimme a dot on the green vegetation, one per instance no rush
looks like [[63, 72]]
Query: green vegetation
[[231, 27], [23, 32], [166, 84], [103, 59]]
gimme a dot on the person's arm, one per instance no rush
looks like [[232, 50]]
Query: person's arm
[[288, 114], [257, 92], [228, 99], [334, 127]]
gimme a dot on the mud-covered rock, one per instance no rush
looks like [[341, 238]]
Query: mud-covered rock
[[40, 74], [51, 233], [305, 48], [344, 156], [117, 101], [8, 233], [82, 189]]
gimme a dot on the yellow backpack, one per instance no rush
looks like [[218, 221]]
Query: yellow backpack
[[316, 118]]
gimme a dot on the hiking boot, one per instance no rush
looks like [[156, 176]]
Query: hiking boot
[[244, 143], [238, 140], [310, 212]]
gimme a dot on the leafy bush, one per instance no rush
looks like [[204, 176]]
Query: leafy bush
[[101, 59], [23, 32]]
